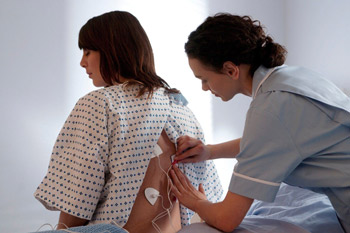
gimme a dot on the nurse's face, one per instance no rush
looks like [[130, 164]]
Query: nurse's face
[[220, 84], [91, 62]]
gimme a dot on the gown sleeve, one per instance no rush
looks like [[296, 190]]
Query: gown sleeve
[[78, 164], [267, 156]]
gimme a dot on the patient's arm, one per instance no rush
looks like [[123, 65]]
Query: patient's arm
[[67, 220], [142, 213]]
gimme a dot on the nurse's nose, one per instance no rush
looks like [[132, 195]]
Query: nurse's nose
[[205, 87]]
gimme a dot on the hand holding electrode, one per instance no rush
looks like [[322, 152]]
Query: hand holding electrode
[[191, 150]]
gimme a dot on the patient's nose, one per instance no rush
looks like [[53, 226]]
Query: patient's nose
[[83, 62]]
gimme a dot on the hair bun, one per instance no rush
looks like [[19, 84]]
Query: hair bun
[[272, 54]]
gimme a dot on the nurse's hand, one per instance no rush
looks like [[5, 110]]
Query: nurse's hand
[[184, 190], [191, 150]]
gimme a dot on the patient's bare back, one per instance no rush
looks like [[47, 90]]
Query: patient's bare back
[[155, 210]]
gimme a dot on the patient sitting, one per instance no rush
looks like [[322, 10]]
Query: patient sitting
[[102, 159]]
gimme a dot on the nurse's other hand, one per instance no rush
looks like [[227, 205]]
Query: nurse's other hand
[[191, 150], [184, 190]]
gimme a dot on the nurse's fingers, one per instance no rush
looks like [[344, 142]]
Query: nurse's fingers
[[195, 154], [181, 181], [201, 189], [184, 143], [177, 186], [190, 159], [174, 188]]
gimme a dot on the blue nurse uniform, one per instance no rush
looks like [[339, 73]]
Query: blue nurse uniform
[[297, 131]]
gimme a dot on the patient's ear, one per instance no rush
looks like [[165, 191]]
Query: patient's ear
[[231, 70]]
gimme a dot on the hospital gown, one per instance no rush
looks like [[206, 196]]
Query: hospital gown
[[101, 155], [297, 131]]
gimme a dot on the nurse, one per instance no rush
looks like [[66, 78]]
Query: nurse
[[297, 128]]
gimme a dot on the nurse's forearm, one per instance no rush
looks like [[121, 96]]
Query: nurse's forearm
[[212, 214], [224, 150], [225, 215]]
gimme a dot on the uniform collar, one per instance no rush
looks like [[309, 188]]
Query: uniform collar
[[258, 76]]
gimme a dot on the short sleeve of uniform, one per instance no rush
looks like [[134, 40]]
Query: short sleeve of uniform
[[77, 168], [267, 155]]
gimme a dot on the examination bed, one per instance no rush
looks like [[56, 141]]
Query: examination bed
[[295, 210]]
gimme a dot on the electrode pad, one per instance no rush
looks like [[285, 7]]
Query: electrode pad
[[151, 195], [156, 151]]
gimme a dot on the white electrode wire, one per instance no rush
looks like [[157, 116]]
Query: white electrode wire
[[66, 230], [167, 210], [46, 224], [54, 228], [161, 215]]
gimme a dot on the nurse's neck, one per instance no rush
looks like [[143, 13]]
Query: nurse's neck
[[246, 80]]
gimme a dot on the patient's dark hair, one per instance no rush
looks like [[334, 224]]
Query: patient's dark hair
[[239, 39], [124, 48]]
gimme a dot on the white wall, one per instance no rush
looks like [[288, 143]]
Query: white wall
[[32, 65], [41, 78], [318, 37]]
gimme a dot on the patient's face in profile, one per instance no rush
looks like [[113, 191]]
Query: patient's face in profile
[[91, 62]]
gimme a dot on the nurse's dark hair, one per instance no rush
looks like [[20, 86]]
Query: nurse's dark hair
[[239, 39], [125, 50]]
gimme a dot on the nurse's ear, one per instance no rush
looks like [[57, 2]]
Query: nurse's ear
[[231, 70]]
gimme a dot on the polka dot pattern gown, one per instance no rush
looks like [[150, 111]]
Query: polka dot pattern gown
[[101, 154]]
